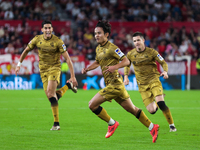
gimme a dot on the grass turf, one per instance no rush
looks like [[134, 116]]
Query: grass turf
[[26, 119]]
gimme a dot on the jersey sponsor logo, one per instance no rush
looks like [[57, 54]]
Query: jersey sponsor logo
[[64, 47], [119, 53], [160, 57], [52, 44]]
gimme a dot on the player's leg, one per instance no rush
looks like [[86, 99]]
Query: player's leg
[[51, 94], [53, 81], [140, 115], [166, 112], [157, 91], [94, 105], [60, 92]]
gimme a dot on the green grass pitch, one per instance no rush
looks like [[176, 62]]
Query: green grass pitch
[[26, 119]]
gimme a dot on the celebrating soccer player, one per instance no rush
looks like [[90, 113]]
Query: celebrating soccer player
[[110, 58], [147, 76], [50, 48]]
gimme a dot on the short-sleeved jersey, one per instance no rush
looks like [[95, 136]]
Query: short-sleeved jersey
[[145, 66], [49, 51], [108, 55]]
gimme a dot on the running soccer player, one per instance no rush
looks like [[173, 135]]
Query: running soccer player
[[108, 57], [147, 76], [50, 48]]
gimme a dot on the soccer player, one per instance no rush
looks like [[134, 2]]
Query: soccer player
[[50, 48], [147, 76], [110, 58]]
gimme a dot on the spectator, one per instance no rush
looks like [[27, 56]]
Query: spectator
[[69, 6], [183, 48], [161, 48], [103, 10], [75, 11], [19, 4], [90, 54], [6, 5], [10, 49], [8, 15], [65, 38]]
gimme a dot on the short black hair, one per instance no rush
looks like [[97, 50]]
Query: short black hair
[[46, 22], [105, 25], [138, 34]]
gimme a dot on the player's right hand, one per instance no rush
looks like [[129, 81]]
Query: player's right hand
[[84, 71], [126, 80], [17, 70]]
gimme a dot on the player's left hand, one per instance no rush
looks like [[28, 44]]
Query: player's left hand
[[109, 69], [164, 74]]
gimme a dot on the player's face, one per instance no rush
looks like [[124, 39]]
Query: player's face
[[100, 37], [47, 31], [139, 43]]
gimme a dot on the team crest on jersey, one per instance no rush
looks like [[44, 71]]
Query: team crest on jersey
[[160, 57], [119, 52], [52, 44], [64, 47]]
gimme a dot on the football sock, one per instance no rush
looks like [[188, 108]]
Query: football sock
[[56, 124], [143, 118], [54, 108], [61, 91], [111, 122], [171, 125], [101, 113], [166, 112], [150, 126]]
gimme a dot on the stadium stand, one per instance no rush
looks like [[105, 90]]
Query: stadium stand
[[171, 27]]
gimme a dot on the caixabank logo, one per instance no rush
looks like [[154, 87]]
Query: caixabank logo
[[97, 82], [25, 82]]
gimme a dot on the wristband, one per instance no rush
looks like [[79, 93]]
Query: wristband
[[19, 64]]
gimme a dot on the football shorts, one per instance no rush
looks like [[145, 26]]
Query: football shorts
[[150, 91], [115, 90], [50, 75]]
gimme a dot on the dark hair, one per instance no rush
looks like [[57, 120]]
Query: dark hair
[[138, 34], [105, 25], [46, 22]]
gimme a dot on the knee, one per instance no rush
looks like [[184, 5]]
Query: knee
[[162, 105], [91, 106], [153, 111], [49, 94], [53, 101]]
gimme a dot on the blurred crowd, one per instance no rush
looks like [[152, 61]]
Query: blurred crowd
[[80, 39]]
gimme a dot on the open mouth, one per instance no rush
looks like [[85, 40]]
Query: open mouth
[[48, 34]]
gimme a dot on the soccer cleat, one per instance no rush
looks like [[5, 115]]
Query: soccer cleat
[[172, 129], [111, 129], [70, 86], [154, 132], [55, 128]]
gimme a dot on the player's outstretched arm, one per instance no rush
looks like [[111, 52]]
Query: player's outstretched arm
[[93, 66], [71, 68], [122, 64], [23, 55]]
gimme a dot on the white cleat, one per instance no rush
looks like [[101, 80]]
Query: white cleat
[[55, 128], [172, 129]]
